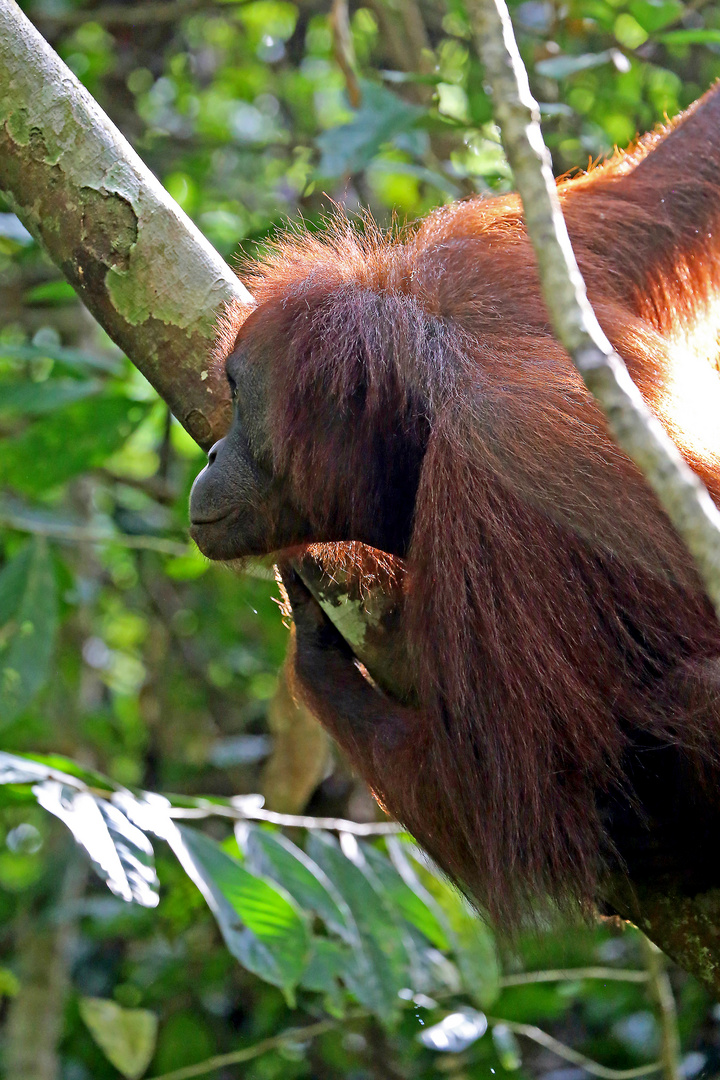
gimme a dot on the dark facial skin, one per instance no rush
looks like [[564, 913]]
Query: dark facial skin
[[237, 506]]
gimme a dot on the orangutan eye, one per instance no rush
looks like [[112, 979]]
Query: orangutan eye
[[233, 387]]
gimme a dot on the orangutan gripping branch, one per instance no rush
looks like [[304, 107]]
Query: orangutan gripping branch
[[409, 395]]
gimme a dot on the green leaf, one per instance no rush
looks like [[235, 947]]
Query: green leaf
[[414, 903], [329, 961], [50, 766], [28, 625], [272, 855], [350, 147], [51, 292], [127, 1037], [260, 923], [54, 449], [472, 940], [34, 399], [381, 962], [690, 37], [120, 852], [654, 14], [16, 769]]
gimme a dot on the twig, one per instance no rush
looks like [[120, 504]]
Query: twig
[[542, 1038], [296, 821], [556, 975], [77, 534], [660, 988], [680, 492], [235, 1057], [344, 50]]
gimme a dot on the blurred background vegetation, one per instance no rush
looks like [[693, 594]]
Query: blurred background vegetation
[[127, 653]]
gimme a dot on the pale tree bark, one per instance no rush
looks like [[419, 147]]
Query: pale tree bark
[[44, 948], [154, 283]]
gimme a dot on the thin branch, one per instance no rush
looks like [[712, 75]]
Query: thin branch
[[344, 50], [680, 492], [661, 990], [77, 534], [236, 1057], [542, 1038], [290, 821], [572, 974]]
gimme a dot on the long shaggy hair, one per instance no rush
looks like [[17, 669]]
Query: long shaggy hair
[[552, 617]]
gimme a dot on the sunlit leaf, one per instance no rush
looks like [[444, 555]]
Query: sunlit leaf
[[381, 961], [471, 939], [21, 770], [51, 292], [121, 854], [455, 1032], [690, 37], [56, 767], [414, 904], [261, 925], [28, 626], [127, 1037], [652, 15], [273, 855]]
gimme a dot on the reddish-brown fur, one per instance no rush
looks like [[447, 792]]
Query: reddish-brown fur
[[557, 629]]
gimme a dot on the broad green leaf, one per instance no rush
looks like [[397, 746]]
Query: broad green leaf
[[329, 961], [273, 855], [381, 967], [15, 769], [34, 399], [690, 37], [415, 905], [127, 1037], [60, 446], [53, 767], [350, 147], [471, 939], [654, 14], [261, 925], [274, 17], [121, 854], [28, 625]]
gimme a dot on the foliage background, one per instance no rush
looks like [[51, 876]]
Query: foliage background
[[134, 657]]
